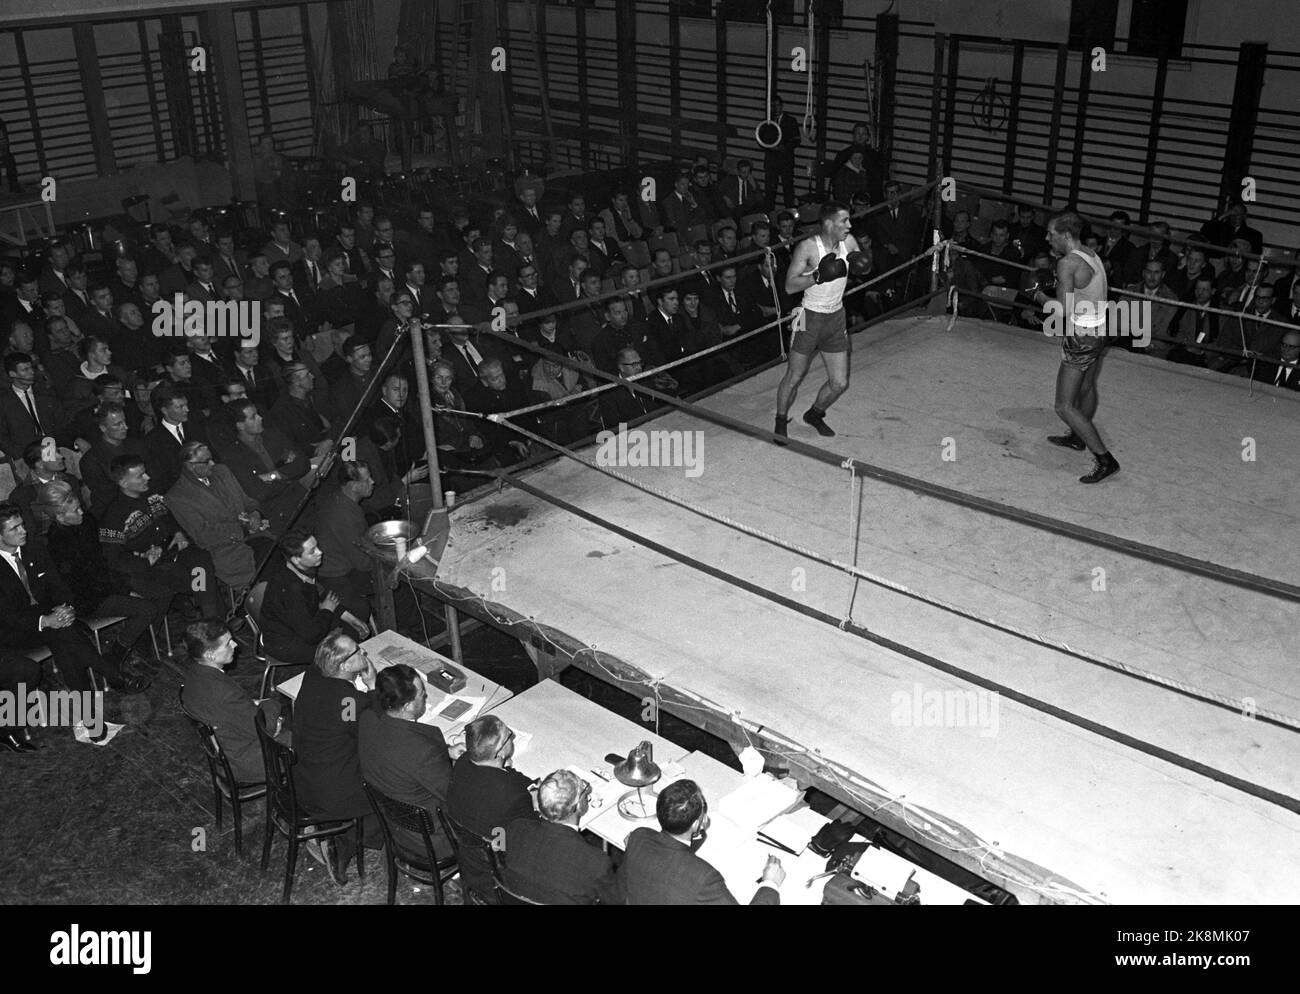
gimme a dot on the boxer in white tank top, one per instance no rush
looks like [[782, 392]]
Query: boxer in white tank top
[[819, 268], [1081, 293]]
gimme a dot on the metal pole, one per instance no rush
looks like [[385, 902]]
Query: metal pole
[[431, 454]]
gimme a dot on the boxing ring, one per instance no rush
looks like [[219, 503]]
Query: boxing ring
[[1081, 694]]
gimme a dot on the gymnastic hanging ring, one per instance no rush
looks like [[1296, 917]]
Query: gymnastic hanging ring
[[768, 134]]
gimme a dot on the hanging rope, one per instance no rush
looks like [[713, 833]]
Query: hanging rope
[[809, 125], [768, 133]]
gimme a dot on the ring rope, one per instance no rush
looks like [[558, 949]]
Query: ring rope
[[1236, 705]]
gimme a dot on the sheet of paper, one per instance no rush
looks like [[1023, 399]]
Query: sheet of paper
[[758, 801]]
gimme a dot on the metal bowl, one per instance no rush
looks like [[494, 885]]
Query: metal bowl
[[387, 533]]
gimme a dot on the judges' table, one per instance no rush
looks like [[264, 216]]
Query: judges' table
[[561, 729], [449, 712]]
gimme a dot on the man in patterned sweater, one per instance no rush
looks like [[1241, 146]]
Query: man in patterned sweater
[[142, 541]]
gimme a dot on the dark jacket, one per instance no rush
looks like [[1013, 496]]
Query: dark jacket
[[19, 618], [485, 799], [408, 762], [293, 622], [660, 870], [328, 772], [221, 703], [553, 864]]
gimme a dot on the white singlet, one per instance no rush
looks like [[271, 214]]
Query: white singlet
[[1090, 300], [827, 298]]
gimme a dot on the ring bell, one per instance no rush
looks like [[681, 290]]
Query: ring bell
[[181, 318]]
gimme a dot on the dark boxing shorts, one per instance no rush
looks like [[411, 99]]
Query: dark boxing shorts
[[1082, 350], [821, 333]]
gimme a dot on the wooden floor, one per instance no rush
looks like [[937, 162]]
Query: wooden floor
[[1098, 815]]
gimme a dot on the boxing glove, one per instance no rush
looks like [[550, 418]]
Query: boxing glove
[[830, 268], [859, 264]]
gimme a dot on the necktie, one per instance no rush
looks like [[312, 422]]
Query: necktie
[[22, 575], [464, 350], [311, 271], [577, 290], [893, 213], [207, 288], [1277, 380], [233, 266], [31, 409], [252, 377], [294, 297], [731, 301], [180, 433]]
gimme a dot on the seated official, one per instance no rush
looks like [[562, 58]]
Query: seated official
[[462, 441], [377, 448], [73, 543], [295, 414], [328, 773], [143, 542], [297, 613], [36, 610], [218, 700], [486, 795], [402, 758], [266, 464], [547, 860], [662, 868], [222, 520]]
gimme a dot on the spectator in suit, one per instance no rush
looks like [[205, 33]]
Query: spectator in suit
[[327, 776], [27, 411], [531, 295], [36, 610], [219, 517], [640, 303], [402, 758], [1235, 276], [1000, 246], [266, 465], [340, 521], [204, 287], [497, 393], [257, 376], [1154, 288], [297, 612], [76, 294], [1286, 374], [1261, 339], [62, 360], [898, 231], [505, 250], [78, 555], [619, 332], [486, 795], [295, 304], [218, 701], [1225, 228], [1194, 265], [309, 271], [662, 868], [680, 210], [1027, 235], [1195, 327], [738, 314], [623, 404], [474, 273], [142, 541], [1117, 251], [163, 444], [528, 213], [547, 859], [54, 272], [575, 218], [25, 304], [228, 261], [551, 243], [463, 442], [604, 250], [741, 194], [619, 220]]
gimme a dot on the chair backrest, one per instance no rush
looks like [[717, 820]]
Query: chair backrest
[[637, 254], [748, 221], [218, 764], [409, 817], [278, 760], [667, 240], [253, 604], [694, 233]]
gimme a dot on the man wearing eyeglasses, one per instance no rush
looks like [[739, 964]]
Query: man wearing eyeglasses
[[486, 795], [547, 859], [325, 731], [208, 502], [531, 295]]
